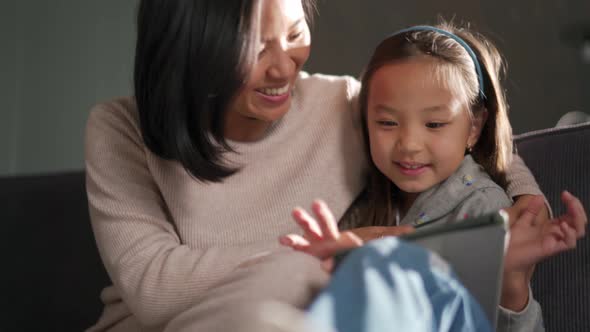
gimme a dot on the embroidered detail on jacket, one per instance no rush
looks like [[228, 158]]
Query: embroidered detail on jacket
[[422, 218], [468, 180]]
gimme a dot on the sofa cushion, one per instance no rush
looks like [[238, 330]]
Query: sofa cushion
[[560, 159], [54, 274]]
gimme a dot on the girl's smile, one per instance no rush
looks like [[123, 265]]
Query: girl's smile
[[412, 169], [418, 127]]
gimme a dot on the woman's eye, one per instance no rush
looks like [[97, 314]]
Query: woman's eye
[[295, 36], [435, 125]]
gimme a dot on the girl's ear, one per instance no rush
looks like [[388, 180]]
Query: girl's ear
[[477, 124]]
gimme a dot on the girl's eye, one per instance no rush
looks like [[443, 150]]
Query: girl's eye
[[435, 125], [387, 123]]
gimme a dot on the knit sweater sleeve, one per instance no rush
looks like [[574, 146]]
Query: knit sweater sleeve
[[520, 179], [156, 274]]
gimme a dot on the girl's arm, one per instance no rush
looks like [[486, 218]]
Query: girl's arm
[[530, 243]]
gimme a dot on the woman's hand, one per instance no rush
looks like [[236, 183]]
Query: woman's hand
[[532, 239], [321, 237], [375, 232]]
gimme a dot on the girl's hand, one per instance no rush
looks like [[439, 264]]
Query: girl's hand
[[376, 232], [532, 240], [321, 237], [521, 204]]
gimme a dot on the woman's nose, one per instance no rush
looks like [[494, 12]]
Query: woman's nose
[[283, 64]]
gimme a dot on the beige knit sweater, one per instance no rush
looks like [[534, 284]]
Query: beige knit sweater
[[167, 239]]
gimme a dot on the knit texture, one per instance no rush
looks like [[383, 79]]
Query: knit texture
[[166, 238]]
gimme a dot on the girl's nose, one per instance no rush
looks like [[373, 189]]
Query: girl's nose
[[408, 142]]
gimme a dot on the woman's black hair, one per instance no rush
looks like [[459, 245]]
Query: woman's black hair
[[192, 57]]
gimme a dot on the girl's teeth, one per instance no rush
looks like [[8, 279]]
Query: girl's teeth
[[411, 166]]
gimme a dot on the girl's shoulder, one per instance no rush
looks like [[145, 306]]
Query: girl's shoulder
[[476, 182], [482, 194], [468, 192]]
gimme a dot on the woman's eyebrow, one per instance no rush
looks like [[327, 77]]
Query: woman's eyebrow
[[296, 23]]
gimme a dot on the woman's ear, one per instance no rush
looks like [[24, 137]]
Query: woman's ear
[[477, 123]]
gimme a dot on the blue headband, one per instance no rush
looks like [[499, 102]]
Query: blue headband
[[458, 40]]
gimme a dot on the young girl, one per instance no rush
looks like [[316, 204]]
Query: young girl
[[437, 131]]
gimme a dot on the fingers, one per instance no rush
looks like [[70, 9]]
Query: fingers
[[402, 230], [326, 249], [575, 215], [533, 209], [570, 233], [328, 265], [309, 225], [350, 239], [527, 214], [294, 241], [327, 222]]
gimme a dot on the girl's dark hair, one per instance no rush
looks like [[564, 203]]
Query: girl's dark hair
[[191, 59], [455, 67]]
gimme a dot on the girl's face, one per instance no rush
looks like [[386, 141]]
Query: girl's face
[[418, 129], [283, 48]]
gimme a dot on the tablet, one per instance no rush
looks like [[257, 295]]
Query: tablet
[[474, 248]]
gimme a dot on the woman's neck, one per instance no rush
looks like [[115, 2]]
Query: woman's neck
[[240, 128]]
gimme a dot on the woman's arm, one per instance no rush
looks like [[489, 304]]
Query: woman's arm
[[522, 188], [157, 275]]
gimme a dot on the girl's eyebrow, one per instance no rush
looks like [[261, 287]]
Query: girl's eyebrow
[[437, 108], [433, 109], [386, 109]]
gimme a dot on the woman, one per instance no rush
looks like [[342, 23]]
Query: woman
[[191, 181]]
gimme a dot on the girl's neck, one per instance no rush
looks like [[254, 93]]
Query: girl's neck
[[407, 200]]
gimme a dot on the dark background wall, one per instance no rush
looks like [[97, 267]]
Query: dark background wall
[[59, 58], [547, 74]]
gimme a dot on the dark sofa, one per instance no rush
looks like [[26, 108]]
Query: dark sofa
[[54, 274]]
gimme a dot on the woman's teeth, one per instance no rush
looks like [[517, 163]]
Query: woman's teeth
[[275, 91]]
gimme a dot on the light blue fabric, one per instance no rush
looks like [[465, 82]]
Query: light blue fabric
[[392, 285]]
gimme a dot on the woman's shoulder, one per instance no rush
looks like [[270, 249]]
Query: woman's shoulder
[[113, 123], [328, 85], [118, 114]]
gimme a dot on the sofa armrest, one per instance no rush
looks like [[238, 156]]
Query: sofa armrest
[[560, 159]]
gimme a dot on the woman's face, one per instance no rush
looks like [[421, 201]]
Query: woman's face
[[282, 49]]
